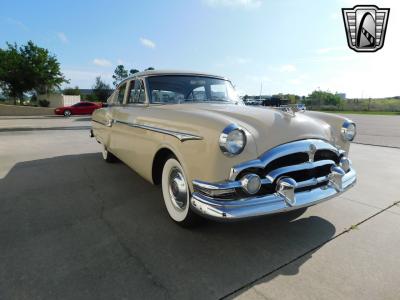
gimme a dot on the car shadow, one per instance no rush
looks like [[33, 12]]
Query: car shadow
[[77, 227]]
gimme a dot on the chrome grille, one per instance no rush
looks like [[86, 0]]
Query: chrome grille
[[309, 162]]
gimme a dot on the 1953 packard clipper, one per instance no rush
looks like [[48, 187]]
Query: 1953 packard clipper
[[218, 158]]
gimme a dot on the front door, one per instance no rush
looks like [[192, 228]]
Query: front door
[[125, 136]]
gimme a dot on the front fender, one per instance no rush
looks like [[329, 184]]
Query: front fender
[[335, 122]]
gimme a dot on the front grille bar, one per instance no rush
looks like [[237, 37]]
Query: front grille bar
[[309, 146]]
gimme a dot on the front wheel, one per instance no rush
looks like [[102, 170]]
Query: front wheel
[[67, 113], [176, 194], [107, 155]]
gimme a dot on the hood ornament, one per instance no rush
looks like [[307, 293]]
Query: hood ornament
[[312, 149], [290, 109]]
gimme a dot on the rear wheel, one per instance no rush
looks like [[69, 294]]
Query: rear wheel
[[107, 155], [67, 113], [176, 194]]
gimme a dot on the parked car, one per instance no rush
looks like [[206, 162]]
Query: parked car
[[217, 158], [301, 106], [80, 108]]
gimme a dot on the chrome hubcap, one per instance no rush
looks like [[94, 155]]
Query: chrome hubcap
[[177, 189]]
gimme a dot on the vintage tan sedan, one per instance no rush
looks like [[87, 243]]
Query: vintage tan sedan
[[215, 157]]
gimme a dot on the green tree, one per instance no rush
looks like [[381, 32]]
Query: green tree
[[149, 69], [72, 91], [28, 68], [120, 73], [101, 90], [133, 71], [90, 97], [319, 98]]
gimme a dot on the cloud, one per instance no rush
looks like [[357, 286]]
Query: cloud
[[287, 68], [63, 38], [101, 62], [234, 3], [120, 61], [147, 43], [17, 23]]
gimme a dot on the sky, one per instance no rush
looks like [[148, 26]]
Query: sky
[[287, 46]]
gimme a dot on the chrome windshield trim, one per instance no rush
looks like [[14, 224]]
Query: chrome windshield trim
[[280, 151], [182, 136]]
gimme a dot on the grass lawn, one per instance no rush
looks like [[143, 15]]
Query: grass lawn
[[388, 113]]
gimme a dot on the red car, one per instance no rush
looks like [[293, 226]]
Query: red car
[[80, 108]]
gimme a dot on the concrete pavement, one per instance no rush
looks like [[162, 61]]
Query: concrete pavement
[[74, 227]]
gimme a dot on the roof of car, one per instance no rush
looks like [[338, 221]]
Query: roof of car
[[170, 72]]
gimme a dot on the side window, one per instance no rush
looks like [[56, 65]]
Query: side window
[[139, 87], [121, 93], [136, 92]]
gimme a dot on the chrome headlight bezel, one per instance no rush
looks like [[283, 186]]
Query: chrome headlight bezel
[[227, 134], [347, 128]]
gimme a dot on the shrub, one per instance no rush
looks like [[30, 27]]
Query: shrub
[[44, 103], [72, 91]]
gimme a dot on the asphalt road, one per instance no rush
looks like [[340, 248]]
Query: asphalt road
[[75, 227]]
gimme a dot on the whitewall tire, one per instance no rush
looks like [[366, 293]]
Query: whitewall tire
[[107, 155], [176, 193]]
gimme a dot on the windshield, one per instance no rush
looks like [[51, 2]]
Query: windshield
[[187, 89]]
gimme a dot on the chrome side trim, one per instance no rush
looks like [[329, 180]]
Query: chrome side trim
[[280, 151], [101, 123], [182, 136]]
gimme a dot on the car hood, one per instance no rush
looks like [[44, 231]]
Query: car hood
[[269, 127]]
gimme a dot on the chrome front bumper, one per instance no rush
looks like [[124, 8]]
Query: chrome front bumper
[[264, 205]]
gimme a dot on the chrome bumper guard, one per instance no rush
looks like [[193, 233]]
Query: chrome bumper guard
[[284, 199]]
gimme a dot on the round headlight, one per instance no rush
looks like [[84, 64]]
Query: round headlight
[[348, 131], [232, 140]]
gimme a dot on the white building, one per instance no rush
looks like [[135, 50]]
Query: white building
[[59, 100]]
